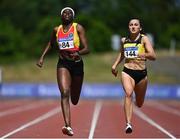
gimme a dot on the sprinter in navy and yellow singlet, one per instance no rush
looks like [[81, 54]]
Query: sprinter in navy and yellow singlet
[[70, 69], [136, 49]]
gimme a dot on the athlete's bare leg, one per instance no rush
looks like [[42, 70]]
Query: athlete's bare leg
[[76, 86], [64, 83], [140, 91], [128, 86]]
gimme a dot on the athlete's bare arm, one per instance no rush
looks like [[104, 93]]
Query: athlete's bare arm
[[47, 48], [149, 54], [53, 40], [119, 58], [83, 39]]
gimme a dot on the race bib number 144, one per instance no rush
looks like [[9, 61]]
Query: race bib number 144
[[131, 52]]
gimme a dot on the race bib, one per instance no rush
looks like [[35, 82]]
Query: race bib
[[66, 45], [131, 52]]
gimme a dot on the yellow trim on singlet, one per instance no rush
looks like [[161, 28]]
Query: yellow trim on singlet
[[76, 36], [58, 32]]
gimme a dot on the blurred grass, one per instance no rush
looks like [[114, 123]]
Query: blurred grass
[[97, 69]]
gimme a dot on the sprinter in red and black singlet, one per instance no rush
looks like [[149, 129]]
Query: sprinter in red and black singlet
[[70, 72]]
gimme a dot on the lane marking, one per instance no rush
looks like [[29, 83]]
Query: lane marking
[[96, 113], [21, 108], [33, 122], [163, 107], [150, 121]]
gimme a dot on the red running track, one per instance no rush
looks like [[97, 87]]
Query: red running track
[[32, 118]]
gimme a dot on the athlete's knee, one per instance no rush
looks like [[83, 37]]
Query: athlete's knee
[[75, 95], [75, 98], [128, 95], [65, 93], [74, 101], [139, 104], [139, 101]]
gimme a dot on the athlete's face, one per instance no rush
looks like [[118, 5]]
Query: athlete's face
[[67, 16], [134, 26]]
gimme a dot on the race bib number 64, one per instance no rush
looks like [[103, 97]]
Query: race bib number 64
[[131, 52]]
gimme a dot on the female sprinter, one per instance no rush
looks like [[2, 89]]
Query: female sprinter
[[70, 71], [136, 49]]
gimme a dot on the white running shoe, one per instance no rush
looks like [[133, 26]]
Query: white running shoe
[[67, 131], [128, 128]]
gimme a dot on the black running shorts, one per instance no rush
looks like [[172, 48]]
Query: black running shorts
[[75, 68], [137, 75]]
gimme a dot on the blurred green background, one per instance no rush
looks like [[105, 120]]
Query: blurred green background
[[25, 28]]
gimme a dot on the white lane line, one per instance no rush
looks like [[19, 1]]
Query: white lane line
[[163, 107], [150, 121], [96, 113], [35, 121], [21, 108]]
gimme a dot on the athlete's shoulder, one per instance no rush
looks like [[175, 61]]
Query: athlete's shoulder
[[55, 28], [80, 27], [144, 37], [123, 39]]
